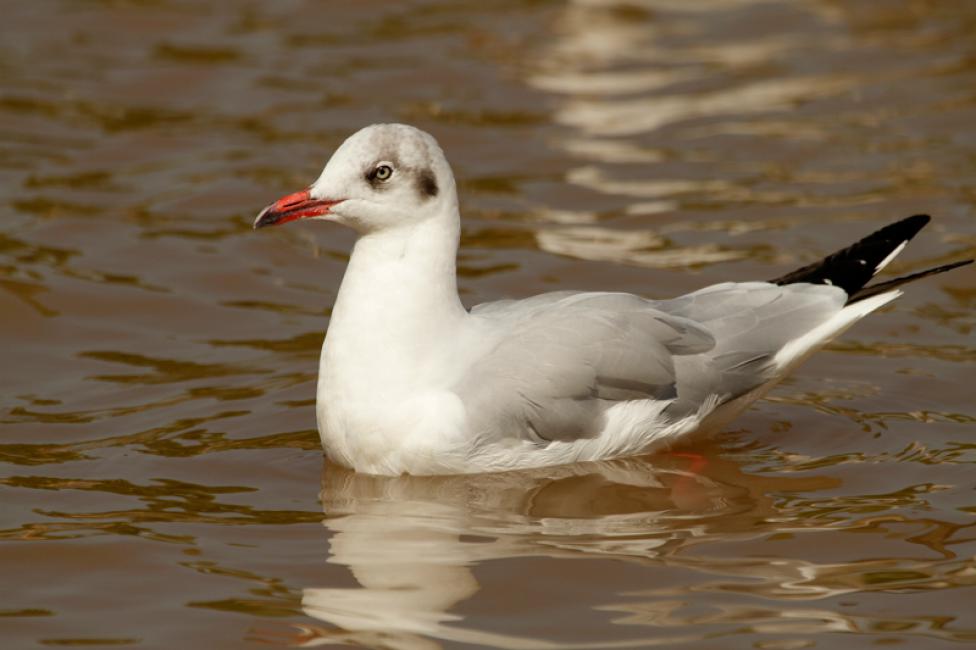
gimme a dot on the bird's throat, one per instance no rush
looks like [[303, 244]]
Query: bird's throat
[[396, 307]]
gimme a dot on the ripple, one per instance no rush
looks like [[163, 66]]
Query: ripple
[[195, 54], [158, 455], [638, 248], [165, 370]]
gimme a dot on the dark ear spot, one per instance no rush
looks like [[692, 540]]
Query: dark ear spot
[[427, 184]]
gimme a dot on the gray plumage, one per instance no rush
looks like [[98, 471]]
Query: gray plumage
[[562, 359]]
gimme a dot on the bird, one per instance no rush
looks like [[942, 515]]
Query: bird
[[412, 382]]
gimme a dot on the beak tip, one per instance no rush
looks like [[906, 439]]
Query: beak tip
[[263, 220]]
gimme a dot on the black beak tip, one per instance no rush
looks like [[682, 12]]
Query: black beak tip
[[266, 218]]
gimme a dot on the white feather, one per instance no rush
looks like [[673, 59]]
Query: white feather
[[892, 255]]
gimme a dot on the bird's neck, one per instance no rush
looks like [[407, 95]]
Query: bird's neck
[[402, 275], [397, 305]]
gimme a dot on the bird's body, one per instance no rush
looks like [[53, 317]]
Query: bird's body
[[412, 382]]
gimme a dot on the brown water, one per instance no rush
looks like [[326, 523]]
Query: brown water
[[159, 466]]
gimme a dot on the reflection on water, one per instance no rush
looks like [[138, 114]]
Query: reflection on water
[[414, 546], [411, 542], [158, 467], [640, 248]]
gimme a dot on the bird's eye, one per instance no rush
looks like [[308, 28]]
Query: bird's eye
[[383, 172]]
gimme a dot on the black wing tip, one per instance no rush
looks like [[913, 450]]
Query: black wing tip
[[905, 228], [853, 267], [921, 219], [956, 265], [883, 287]]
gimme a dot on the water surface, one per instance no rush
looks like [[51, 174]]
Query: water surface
[[162, 480]]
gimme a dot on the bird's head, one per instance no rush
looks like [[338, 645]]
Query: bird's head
[[383, 176]]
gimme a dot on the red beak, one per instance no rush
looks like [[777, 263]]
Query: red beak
[[293, 207]]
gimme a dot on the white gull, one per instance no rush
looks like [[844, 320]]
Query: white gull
[[412, 382]]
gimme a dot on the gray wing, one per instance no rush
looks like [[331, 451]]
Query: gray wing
[[751, 322], [561, 359]]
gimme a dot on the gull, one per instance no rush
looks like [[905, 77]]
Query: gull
[[411, 382]]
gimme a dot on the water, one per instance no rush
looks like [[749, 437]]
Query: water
[[159, 466]]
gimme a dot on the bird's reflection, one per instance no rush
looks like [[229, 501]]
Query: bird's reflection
[[411, 542]]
